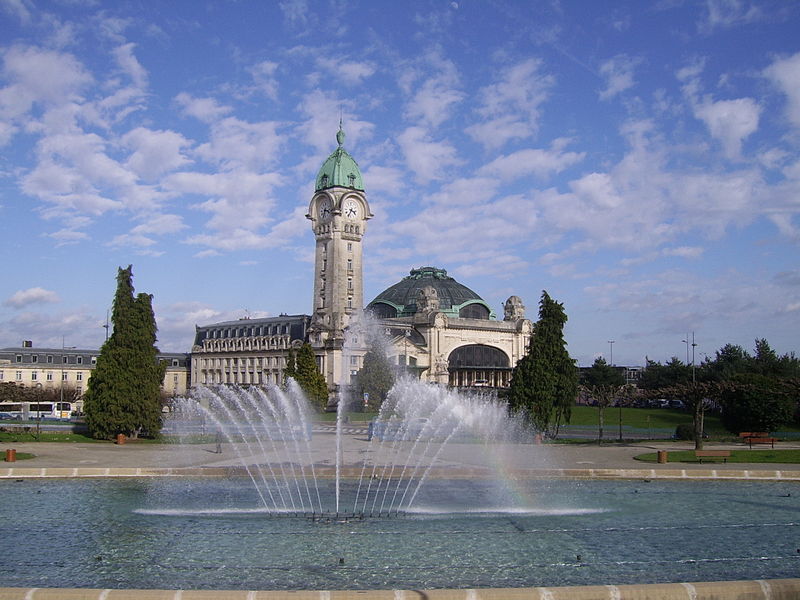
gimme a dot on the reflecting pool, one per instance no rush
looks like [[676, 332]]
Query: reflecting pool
[[211, 534]]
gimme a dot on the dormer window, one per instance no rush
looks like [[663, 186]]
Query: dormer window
[[352, 179], [324, 180]]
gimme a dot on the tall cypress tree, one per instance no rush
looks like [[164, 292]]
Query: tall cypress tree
[[544, 382], [309, 378], [123, 394]]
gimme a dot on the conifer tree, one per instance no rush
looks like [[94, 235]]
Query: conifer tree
[[544, 382], [123, 394], [376, 377], [309, 378]]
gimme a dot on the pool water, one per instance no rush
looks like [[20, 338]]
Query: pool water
[[210, 534]]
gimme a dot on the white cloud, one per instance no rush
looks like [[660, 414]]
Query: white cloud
[[130, 65], [511, 105], [154, 152], [433, 102], [541, 163], [785, 73], [618, 72], [349, 72], [34, 295], [128, 240], [428, 159], [38, 76], [203, 109], [437, 90], [730, 122], [16, 8], [264, 77], [235, 144], [320, 120], [684, 251], [729, 13]]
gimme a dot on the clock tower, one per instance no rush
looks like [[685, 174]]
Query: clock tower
[[338, 212]]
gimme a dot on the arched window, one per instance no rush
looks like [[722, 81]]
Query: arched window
[[474, 311], [381, 310], [478, 356]]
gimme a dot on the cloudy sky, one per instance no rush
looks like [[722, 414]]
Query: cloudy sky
[[637, 160]]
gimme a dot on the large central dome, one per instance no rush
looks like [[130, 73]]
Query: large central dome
[[339, 169], [455, 299]]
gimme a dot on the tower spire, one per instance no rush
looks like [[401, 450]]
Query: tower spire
[[340, 133]]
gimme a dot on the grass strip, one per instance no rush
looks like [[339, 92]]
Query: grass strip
[[791, 456]]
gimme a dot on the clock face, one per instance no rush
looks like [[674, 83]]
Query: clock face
[[324, 209], [350, 209]]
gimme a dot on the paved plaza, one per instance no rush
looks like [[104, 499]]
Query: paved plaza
[[356, 446]]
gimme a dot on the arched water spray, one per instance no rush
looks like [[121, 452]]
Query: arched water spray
[[269, 431]]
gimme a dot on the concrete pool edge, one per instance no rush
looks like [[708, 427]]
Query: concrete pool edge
[[766, 589], [443, 473]]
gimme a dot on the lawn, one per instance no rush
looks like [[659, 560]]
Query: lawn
[[643, 418], [44, 436], [737, 456], [352, 417]]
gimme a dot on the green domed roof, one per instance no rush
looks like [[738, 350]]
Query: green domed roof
[[454, 297], [339, 169]]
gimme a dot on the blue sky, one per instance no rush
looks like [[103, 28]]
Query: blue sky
[[637, 160]]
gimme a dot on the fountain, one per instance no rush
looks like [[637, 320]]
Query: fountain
[[416, 508], [269, 430]]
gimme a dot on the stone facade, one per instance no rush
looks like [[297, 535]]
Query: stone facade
[[247, 351]]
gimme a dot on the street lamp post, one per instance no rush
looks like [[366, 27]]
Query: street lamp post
[[693, 345], [611, 352]]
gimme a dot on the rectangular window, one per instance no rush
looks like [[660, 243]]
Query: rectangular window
[[50, 359], [19, 358], [349, 264], [94, 360], [35, 358], [349, 246], [49, 376], [19, 375], [174, 362], [78, 376], [2, 373], [34, 376], [64, 359], [64, 375], [79, 359]]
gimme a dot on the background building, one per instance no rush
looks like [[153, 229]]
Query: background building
[[442, 331], [69, 369]]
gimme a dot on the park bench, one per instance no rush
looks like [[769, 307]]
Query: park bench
[[762, 440], [757, 437], [723, 454], [745, 435]]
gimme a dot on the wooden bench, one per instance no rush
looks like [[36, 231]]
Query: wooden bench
[[762, 440], [723, 454], [757, 434]]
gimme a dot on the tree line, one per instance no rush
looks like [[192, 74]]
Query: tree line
[[751, 392]]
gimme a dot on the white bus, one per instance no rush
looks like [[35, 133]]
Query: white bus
[[29, 411]]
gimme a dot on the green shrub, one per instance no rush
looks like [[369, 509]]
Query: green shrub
[[684, 431]]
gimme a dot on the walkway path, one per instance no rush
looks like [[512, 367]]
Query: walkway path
[[355, 445]]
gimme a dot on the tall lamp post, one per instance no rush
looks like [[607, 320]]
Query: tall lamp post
[[611, 352], [686, 341]]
